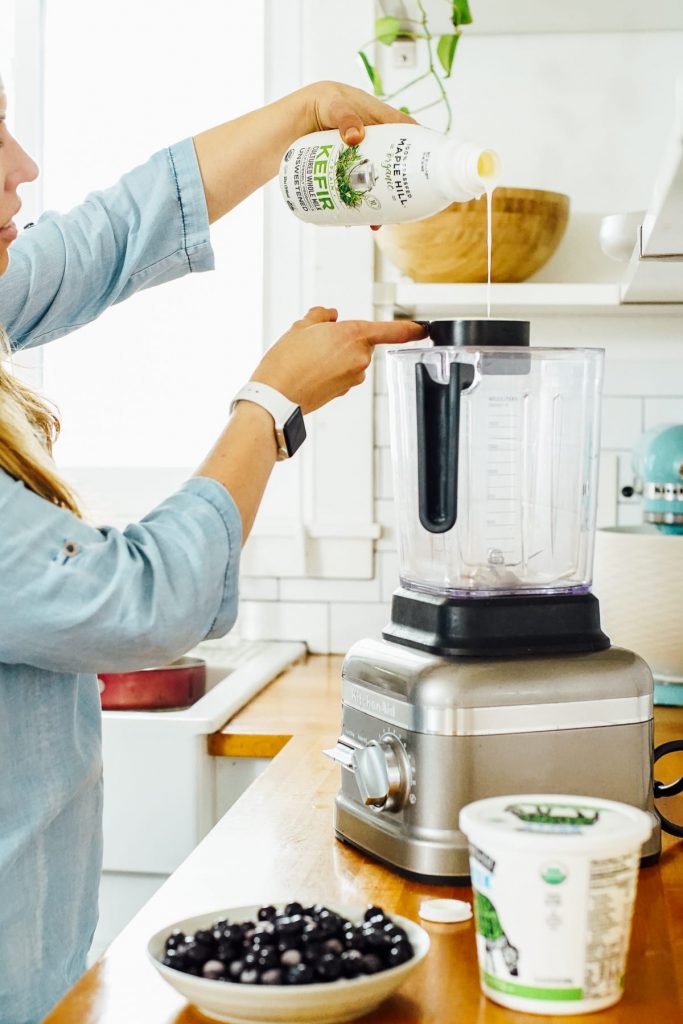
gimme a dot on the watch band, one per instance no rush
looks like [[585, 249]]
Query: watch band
[[288, 420]]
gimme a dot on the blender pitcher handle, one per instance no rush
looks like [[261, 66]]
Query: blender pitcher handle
[[438, 430]]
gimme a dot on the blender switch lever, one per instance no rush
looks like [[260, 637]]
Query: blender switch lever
[[372, 775]]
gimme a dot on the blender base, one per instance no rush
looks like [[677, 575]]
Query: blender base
[[365, 842], [456, 730]]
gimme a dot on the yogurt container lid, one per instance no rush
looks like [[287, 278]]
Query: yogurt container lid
[[550, 821], [445, 911]]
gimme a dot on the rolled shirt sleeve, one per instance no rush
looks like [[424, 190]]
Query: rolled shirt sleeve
[[151, 227], [79, 599]]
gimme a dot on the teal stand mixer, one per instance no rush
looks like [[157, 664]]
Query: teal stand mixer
[[639, 570], [658, 465]]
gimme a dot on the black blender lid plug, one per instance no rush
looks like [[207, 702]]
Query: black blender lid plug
[[479, 333]]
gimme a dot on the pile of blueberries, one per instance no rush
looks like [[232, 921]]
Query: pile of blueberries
[[294, 946]]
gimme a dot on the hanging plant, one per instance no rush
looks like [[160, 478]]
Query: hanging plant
[[440, 52]]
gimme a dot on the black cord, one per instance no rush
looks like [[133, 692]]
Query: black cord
[[662, 789]]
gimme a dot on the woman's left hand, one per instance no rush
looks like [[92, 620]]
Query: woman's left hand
[[334, 105]]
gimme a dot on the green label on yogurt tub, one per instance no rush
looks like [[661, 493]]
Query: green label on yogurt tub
[[558, 817]]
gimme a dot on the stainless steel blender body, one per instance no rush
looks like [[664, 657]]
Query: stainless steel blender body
[[424, 735]]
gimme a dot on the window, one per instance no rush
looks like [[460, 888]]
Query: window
[[147, 387], [144, 390]]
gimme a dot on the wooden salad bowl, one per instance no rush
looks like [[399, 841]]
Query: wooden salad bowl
[[528, 225]]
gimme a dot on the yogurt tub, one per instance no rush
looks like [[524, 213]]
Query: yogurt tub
[[554, 880]]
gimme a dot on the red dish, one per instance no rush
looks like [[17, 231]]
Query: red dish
[[170, 686]]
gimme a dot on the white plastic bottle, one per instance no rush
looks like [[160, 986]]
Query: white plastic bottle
[[399, 173]]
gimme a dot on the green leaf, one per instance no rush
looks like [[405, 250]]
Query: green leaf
[[373, 75], [460, 13], [387, 30], [445, 51], [404, 110]]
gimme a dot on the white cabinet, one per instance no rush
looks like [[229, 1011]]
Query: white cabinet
[[162, 790]]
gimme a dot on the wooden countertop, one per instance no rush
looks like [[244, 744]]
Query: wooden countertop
[[277, 843]]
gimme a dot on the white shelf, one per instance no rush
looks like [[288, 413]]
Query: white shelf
[[501, 17], [432, 301]]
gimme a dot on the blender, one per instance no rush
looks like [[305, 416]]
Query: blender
[[493, 676]]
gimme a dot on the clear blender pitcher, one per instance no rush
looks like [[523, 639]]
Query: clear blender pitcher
[[495, 450]]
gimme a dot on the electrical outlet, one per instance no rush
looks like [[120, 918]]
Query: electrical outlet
[[403, 53]]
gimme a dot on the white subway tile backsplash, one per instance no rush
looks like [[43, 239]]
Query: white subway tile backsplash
[[387, 569], [285, 620], [384, 515], [331, 590], [256, 588], [380, 371], [644, 376], [351, 622], [607, 489], [626, 478], [664, 410], [384, 484], [629, 515], [381, 421], [622, 422]]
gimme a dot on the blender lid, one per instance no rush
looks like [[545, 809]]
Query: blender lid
[[479, 333]]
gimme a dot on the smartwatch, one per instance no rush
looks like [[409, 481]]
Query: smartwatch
[[290, 432]]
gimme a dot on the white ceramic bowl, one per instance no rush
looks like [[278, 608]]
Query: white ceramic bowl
[[619, 234], [326, 1003]]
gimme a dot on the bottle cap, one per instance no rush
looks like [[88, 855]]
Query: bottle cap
[[445, 911]]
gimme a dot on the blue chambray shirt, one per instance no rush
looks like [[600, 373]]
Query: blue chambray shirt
[[75, 600]]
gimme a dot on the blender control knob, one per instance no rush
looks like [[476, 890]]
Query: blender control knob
[[382, 773]]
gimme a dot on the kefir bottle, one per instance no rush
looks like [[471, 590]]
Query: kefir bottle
[[398, 173]]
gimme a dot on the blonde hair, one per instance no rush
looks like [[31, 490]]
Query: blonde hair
[[28, 429]]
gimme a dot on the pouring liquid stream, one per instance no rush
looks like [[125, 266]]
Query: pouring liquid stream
[[489, 244]]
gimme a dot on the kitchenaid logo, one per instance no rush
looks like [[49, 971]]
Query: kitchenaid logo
[[364, 700]]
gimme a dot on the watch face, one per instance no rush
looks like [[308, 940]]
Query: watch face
[[294, 432]]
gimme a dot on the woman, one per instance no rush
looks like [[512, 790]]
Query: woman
[[75, 600]]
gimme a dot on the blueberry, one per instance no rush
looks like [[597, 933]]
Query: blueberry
[[235, 969], [268, 958], [351, 963], [351, 937], [290, 957], [293, 908], [204, 937], [290, 925], [272, 977], [250, 976], [213, 969], [334, 946], [178, 961], [300, 974], [371, 963], [228, 950], [176, 938], [286, 942], [267, 914], [373, 912], [312, 952], [375, 942], [328, 967], [198, 953], [398, 955], [312, 933]]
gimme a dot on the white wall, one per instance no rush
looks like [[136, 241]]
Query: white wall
[[584, 114]]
